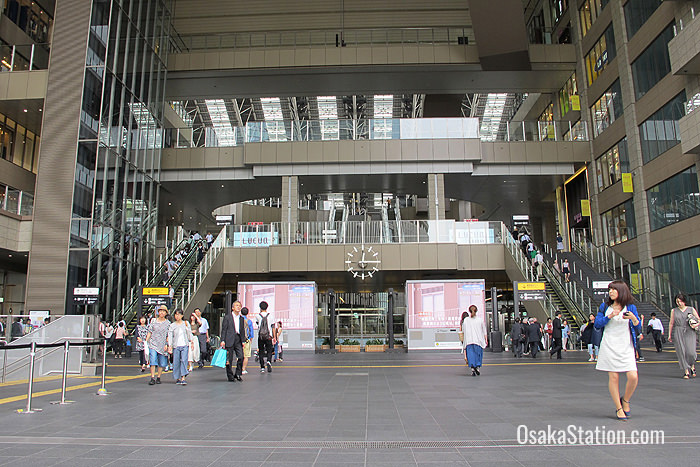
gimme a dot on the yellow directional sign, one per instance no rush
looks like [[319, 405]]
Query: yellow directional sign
[[530, 285], [156, 291], [585, 208]]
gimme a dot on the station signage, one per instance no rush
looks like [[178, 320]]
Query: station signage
[[224, 219], [255, 239], [155, 296], [85, 295], [600, 288], [531, 291]]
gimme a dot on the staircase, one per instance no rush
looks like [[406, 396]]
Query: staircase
[[185, 280]]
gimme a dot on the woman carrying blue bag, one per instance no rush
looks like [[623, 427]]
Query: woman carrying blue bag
[[619, 317]]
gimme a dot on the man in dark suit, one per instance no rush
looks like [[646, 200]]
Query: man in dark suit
[[534, 335], [233, 334], [515, 333], [556, 336]]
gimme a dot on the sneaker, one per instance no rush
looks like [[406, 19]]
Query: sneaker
[[642, 359], [590, 359], [152, 382], [245, 372], [157, 380], [269, 367], [178, 382], [183, 383], [262, 370]]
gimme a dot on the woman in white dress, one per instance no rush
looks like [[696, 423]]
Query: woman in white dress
[[474, 330], [619, 320]]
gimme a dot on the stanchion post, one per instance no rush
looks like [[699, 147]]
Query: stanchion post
[[64, 377], [28, 409], [102, 391], [4, 365]]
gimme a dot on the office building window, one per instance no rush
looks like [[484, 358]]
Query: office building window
[[674, 199], [619, 224], [652, 64], [607, 109], [558, 9], [660, 132], [570, 89], [680, 268], [637, 12], [600, 55], [610, 166], [589, 12]]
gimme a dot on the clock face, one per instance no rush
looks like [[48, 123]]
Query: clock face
[[362, 262]]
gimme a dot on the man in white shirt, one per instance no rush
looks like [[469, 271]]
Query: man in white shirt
[[538, 263], [203, 335], [210, 240], [657, 330]]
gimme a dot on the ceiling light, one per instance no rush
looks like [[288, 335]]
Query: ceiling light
[[10, 256], [170, 204], [222, 186], [25, 110]]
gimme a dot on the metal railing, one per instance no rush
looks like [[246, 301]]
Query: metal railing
[[687, 17], [374, 129], [331, 38], [23, 57], [647, 284], [16, 201], [55, 346]]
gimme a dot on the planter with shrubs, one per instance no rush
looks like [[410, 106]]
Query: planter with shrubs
[[350, 345], [375, 345]]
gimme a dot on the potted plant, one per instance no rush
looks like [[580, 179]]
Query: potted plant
[[375, 345], [350, 345], [398, 343], [326, 344]]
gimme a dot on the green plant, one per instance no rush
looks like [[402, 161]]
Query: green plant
[[351, 342], [327, 341], [375, 342], [398, 342]]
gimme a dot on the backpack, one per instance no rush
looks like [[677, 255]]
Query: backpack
[[264, 332]]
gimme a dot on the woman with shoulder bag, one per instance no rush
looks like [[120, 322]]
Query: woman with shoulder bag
[[619, 317], [681, 331]]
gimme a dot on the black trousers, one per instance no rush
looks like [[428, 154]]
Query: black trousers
[[202, 348], [534, 347], [142, 357], [657, 340], [118, 346], [265, 350], [518, 347], [237, 348], [556, 347]]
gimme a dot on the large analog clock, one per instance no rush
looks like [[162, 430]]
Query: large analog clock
[[362, 262]]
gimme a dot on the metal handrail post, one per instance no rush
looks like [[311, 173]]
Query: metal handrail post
[[28, 409], [102, 391], [64, 377], [4, 365]]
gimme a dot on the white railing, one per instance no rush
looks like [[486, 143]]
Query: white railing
[[360, 232]]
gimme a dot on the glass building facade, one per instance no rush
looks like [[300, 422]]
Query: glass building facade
[[674, 200], [115, 201]]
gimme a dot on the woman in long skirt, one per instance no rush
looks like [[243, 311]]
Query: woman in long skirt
[[683, 336], [618, 316], [475, 339]]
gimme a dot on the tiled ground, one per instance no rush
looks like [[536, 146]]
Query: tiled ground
[[353, 409]]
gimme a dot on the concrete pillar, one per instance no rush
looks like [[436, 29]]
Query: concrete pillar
[[53, 202], [436, 196], [290, 207]]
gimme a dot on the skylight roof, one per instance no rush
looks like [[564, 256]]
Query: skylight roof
[[272, 109], [493, 113], [383, 106], [327, 107], [220, 122]]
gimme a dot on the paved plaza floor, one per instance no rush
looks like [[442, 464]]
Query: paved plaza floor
[[417, 408]]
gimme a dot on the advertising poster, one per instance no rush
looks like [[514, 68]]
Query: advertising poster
[[439, 304], [293, 303]]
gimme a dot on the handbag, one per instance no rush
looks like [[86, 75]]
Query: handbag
[[219, 358]]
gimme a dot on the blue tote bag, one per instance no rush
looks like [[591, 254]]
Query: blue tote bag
[[219, 358]]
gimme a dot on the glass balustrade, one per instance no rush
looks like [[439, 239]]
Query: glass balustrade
[[372, 129]]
